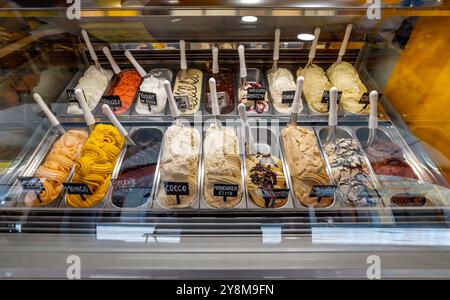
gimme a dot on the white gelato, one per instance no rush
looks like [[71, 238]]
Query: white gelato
[[153, 84], [316, 82], [280, 81]]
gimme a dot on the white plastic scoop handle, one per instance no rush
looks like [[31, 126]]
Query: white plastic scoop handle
[[373, 116], [343, 48], [135, 64], [248, 137], [214, 100], [332, 114], [298, 93], [88, 116], [51, 117], [111, 60], [89, 45], [109, 113], [215, 66], [312, 50], [172, 104], [183, 62], [276, 46], [242, 66]]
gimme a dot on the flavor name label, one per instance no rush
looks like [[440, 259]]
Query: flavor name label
[[366, 100], [77, 188], [256, 94], [31, 183], [326, 97], [221, 99], [71, 96], [112, 101], [123, 184], [287, 97], [226, 190], [182, 102], [276, 193], [321, 191], [176, 188], [148, 98]]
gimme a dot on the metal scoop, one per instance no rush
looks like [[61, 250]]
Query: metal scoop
[[332, 116]]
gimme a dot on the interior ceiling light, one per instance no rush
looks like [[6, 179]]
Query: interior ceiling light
[[305, 37], [249, 19]]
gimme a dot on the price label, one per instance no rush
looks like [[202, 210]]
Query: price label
[[148, 98], [77, 189], [276, 193], [326, 97], [366, 100], [221, 99], [226, 190], [31, 183], [182, 102], [287, 97], [256, 94], [322, 191], [71, 96], [112, 101]]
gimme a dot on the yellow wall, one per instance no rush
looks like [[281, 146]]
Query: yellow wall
[[419, 86]]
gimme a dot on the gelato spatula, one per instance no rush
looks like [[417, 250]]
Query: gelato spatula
[[276, 50], [296, 103], [332, 116], [88, 116], [111, 60], [215, 64], [214, 102], [91, 49], [183, 62], [242, 67], [248, 138], [107, 111], [312, 50], [343, 48], [135, 64], [172, 104], [373, 117], [51, 117]]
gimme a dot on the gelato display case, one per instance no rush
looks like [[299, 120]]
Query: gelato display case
[[224, 139]]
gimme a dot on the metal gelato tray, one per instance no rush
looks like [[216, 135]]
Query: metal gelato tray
[[242, 203], [166, 73], [297, 203], [255, 75], [233, 111], [147, 204], [266, 140], [345, 132], [303, 113], [196, 202]]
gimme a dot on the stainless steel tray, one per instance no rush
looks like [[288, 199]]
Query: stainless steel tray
[[242, 204], [233, 112], [148, 203], [196, 203], [266, 138], [345, 132], [297, 203], [255, 75]]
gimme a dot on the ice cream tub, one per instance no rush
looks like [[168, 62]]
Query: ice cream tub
[[188, 91], [179, 180], [314, 187], [388, 160], [256, 88], [52, 165], [281, 91], [222, 167], [226, 92], [151, 99], [266, 184], [134, 176], [121, 93], [350, 170], [412, 197]]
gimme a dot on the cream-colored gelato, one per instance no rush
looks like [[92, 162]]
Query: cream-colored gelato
[[155, 85], [306, 164], [179, 163], [222, 165], [93, 83], [346, 79], [280, 81], [189, 83], [316, 82]]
